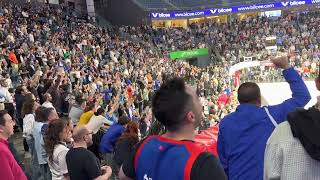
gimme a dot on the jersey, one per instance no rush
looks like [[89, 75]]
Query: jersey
[[162, 158]]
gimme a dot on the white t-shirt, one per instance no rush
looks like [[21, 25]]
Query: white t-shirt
[[28, 122], [48, 105], [96, 122], [58, 166]]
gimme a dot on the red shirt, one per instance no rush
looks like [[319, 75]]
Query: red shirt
[[10, 170]]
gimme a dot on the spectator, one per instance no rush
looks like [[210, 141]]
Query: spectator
[[125, 144], [10, 170], [6, 97], [177, 107], [55, 92], [43, 117], [83, 164], [110, 138], [28, 110], [77, 109], [244, 133], [47, 101], [87, 114], [292, 150], [98, 121], [56, 138], [19, 97]]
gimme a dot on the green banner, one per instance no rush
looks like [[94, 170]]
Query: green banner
[[189, 53]]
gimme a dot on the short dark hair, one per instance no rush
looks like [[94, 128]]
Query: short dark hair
[[248, 92], [123, 120], [43, 113], [171, 103], [2, 120], [100, 111], [79, 100]]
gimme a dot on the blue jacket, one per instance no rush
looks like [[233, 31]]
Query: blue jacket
[[244, 133], [110, 138]]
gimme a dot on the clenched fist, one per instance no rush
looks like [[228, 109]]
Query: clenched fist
[[281, 62]]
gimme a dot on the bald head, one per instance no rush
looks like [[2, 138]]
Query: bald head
[[79, 132]]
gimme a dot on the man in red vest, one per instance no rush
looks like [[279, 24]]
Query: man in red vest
[[173, 155]]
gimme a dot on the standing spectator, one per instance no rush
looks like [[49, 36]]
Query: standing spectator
[[125, 144], [292, 151], [244, 133], [6, 97], [87, 113], [54, 91], [19, 97], [177, 107], [10, 170], [83, 164], [43, 117], [98, 121], [77, 109], [56, 138], [28, 110], [47, 101]]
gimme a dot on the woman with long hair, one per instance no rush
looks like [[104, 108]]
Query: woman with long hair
[[28, 112], [126, 142], [55, 143]]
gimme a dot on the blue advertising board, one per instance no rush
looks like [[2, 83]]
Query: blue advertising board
[[232, 9]]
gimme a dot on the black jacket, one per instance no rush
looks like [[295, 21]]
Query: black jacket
[[305, 125]]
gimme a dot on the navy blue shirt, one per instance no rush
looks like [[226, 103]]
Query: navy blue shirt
[[244, 133]]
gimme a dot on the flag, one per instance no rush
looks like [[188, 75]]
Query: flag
[[237, 79], [207, 140]]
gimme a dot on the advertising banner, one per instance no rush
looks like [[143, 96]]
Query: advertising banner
[[232, 9], [189, 53]]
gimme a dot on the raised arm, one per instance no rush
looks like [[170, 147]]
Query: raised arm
[[300, 93]]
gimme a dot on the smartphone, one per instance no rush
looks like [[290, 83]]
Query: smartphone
[[271, 45]]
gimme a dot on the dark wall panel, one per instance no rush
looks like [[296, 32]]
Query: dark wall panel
[[124, 12]]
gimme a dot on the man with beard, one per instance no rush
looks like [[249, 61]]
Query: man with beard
[[82, 163], [174, 154]]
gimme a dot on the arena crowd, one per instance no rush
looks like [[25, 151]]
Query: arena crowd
[[91, 101]]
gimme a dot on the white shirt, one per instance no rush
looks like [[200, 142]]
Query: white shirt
[[58, 166], [48, 104], [96, 122], [286, 159], [28, 122], [5, 95]]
